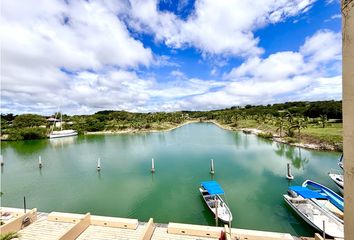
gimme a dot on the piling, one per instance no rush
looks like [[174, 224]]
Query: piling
[[24, 204], [324, 230], [40, 162], [152, 165], [212, 167], [1, 161], [289, 176], [99, 164]]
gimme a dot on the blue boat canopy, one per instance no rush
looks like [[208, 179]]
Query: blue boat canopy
[[307, 193], [212, 187]]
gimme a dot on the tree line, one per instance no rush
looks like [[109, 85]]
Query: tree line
[[288, 119]]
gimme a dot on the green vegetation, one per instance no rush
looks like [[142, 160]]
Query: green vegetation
[[307, 122], [8, 236]]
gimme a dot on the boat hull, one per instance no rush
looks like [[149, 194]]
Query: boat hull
[[338, 180], [226, 218], [61, 135], [338, 233]]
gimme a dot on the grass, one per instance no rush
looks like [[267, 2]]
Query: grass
[[331, 134]]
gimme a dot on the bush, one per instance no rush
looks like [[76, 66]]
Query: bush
[[265, 135], [27, 134]]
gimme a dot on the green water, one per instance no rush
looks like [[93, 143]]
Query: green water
[[250, 169]]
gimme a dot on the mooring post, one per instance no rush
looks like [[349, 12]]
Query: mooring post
[[24, 204], [212, 166], [40, 161], [289, 176], [1, 161], [99, 164], [324, 230], [152, 165]]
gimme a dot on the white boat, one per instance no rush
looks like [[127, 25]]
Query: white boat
[[61, 133], [300, 200], [338, 179], [211, 192], [340, 162]]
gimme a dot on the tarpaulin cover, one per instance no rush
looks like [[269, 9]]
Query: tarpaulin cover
[[307, 193], [212, 187]]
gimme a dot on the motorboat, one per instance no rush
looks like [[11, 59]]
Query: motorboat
[[300, 199], [332, 199], [338, 179], [341, 162], [211, 191]]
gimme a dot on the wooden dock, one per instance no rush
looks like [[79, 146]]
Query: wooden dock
[[70, 226]]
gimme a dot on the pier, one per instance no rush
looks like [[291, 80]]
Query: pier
[[67, 226]]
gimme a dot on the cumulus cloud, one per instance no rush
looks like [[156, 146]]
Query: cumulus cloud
[[40, 39], [81, 55], [215, 27]]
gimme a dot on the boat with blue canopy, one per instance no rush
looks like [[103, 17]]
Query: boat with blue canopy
[[303, 201], [211, 191], [333, 197]]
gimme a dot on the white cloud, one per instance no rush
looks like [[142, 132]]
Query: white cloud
[[215, 27], [283, 76], [40, 38], [322, 47], [82, 57]]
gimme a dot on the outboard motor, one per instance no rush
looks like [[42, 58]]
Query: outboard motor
[[292, 193]]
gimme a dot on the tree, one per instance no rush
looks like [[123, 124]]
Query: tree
[[28, 120], [323, 120]]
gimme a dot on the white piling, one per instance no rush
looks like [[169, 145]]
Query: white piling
[[212, 167], [152, 165], [99, 164], [1, 161], [40, 161], [289, 176]]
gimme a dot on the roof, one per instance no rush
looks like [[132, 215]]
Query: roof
[[212, 187], [307, 193]]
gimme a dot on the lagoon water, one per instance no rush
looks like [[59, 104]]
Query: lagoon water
[[250, 169]]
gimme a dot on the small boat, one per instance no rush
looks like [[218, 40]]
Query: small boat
[[332, 199], [338, 179], [340, 162], [211, 191], [300, 200]]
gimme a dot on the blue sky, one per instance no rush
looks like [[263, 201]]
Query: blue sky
[[143, 56]]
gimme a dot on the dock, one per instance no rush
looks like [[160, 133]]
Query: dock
[[34, 225]]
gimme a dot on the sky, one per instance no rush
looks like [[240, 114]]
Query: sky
[[80, 57]]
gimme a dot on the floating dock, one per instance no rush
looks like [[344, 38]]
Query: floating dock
[[33, 225]]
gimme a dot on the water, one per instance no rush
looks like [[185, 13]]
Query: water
[[251, 170]]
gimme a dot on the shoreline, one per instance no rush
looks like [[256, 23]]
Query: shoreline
[[255, 131], [135, 131]]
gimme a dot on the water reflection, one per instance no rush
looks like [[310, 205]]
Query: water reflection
[[25, 148], [293, 154], [61, 142]]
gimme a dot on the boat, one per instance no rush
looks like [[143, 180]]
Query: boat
[[338, 179], [61, 133], [340, 162], [300, 200], [211, 191], [332, 199]]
